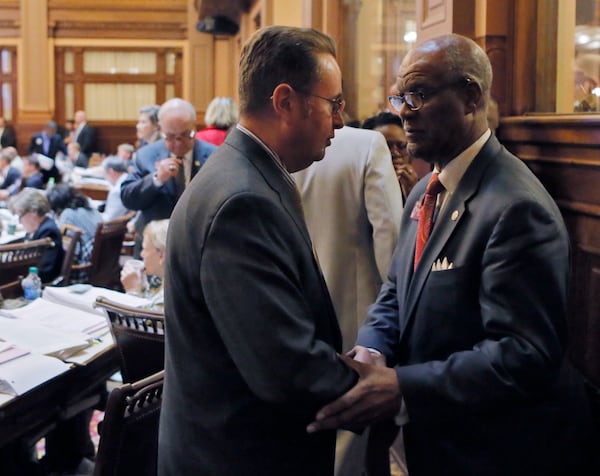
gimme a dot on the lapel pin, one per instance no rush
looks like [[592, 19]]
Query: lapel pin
[[454, 215]]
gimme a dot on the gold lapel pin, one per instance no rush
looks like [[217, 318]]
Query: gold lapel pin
[[454, 215]]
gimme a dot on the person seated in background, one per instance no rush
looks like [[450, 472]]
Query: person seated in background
[[32, 208], [15, 159], [49, 143], [125, 152], [147, 127], [32, 175], [390, 126], [10, 177], [115, 172], [76, 157], [221, 114], [134, 279], [71, 207]]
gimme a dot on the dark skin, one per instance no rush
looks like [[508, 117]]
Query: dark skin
[[450, 120]]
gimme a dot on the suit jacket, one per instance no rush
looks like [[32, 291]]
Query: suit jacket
[[8, 137], [87, 140], [34, 181], [479, 349], [56, 144], [352, 205], [51, 262], [252, 334], [12, 181], [138, 191]]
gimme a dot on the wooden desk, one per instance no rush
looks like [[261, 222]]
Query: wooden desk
[[30, 416], [93, 191]]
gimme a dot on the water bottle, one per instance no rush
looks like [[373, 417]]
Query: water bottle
[[32, 285], [50, 184]]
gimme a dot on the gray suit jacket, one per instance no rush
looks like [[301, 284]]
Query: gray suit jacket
[[251, 331], [138, 191], [479, 349]]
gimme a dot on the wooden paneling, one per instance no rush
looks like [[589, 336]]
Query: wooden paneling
[[564, 152], [9, 18]]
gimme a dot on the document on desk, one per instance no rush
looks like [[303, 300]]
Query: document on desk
[[17, 376], [60, 317], [45, 340], [83, 298]]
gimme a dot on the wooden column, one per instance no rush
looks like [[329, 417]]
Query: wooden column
[[35, 79]]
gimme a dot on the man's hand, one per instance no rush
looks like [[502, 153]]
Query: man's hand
[[167, 168], [375, 397]]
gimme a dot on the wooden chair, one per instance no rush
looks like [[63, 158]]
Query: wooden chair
[[71, 237], [140, 337], [16, 258], [129, 431], [11, 290], [104, 268]]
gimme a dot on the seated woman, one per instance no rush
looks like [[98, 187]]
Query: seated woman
[[32, 208], [134, 279], [71, 207]]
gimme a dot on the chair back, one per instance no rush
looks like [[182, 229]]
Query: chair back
[[16, 258], [71, 237], [11, 290], [129, 431], [140, 338], [104, 268]]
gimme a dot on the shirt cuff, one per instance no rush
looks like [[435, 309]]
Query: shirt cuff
[[156, 182]]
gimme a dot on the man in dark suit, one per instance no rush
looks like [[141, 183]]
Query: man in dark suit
[[8, 137], [474, 331], [252, 334], [163, 168], [85, 134], [49, 143]]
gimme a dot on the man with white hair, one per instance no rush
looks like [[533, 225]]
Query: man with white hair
[[163, 169]]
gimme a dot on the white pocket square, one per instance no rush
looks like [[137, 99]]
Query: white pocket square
[[442, 265]]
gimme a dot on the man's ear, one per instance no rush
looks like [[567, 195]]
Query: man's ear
[[282, 98], [474, 96]]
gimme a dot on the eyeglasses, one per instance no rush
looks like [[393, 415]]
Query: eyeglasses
[[186, 135], [337, 105], [415, 99]]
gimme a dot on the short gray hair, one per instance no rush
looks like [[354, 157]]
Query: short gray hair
[[115, 163], [151, 111], [29, 200], [178, 107]]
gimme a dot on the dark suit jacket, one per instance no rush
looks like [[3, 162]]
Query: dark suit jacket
[[479, 349], [34, 181], [138, 191], [87, 140], [9, 137], [51, 262], [36, 145], [56, 144], [251, 331], [12, 180]]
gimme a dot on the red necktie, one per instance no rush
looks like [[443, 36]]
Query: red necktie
[[434, 187]]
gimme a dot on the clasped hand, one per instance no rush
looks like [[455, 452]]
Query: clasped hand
[[375, 397], [167, 168]]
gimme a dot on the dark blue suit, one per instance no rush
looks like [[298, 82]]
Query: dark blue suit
[[55, 144], [479, 349], [12, 181], [51, 262], [138, 191]]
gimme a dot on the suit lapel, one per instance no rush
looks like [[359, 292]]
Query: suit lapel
[[453, 213]]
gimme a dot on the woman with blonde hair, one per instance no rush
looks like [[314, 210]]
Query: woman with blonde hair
[[221, 114], [134, 277]]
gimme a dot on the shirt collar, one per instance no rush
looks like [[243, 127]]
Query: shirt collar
[[455, 169], [270, 152]]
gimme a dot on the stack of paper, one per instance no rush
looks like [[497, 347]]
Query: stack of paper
[[83, 296], [21, 374]]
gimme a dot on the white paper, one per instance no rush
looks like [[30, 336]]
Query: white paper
[[59, 317], [41, 339], [86, 300], [20, 375]]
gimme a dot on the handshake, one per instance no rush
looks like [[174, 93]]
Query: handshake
[[375, 397]]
